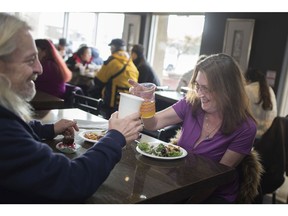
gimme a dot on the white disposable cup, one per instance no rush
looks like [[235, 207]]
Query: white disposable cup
[[129, 104]]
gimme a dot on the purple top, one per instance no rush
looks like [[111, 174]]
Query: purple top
[[51, 80], [240, 141]]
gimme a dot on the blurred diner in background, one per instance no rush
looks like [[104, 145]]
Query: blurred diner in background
[[83, 68], [55, 71], [146, 72], [113, 76], [262, 100], [63, 48]]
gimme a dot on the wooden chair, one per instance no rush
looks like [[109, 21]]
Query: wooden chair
[[88, 104]]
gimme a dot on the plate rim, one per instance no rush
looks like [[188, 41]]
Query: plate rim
[[81, 134], [66, 152], [162, 158]]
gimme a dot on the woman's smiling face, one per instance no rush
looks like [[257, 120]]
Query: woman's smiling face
[[208, 103]]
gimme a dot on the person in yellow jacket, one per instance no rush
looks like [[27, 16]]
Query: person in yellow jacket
[[113, 77]]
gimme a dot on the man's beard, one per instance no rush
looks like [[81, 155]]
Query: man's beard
[[27, 94]]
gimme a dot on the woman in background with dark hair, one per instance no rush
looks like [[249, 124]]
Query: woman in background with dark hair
[[146, 72], [55, 71], [262, 100], [81, 59]]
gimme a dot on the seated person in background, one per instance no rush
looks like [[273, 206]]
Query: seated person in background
[[113, 76], [262, 98], [63, 48], [82, 67], [81, 60], [186, 77], [96, 59], [146, 73], [30, 171], [55, 71], [217, 123]]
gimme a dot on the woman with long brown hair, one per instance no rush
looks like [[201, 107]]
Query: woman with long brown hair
[[215, 117]]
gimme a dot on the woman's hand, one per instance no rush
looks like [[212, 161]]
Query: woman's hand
[[130, 126], [135, 86], [65, 126]]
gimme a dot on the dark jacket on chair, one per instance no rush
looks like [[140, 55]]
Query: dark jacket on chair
[[271, 148]]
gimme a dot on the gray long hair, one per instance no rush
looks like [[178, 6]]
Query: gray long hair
[[12, 101], [10, 27]]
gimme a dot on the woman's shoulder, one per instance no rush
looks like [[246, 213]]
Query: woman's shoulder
[[249, 125], [183, 106]]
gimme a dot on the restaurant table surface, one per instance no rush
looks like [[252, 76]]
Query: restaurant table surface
[[169, 96], [140, 179], [43, 100]]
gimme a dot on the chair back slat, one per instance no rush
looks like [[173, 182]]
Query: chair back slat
[[87, 104]]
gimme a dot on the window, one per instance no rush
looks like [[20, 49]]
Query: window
[[45, 25], [82, 29], [175, 45], [109, 26], [174, 41], [95, 29]]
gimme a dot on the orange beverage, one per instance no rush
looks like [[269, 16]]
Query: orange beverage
[[147, 92], [147, 109]]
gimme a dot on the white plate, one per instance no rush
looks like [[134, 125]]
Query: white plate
[[67, 149], [98, 132], [156, 143]]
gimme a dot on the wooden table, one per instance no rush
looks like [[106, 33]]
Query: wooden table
[[45, 101], [140, 179]]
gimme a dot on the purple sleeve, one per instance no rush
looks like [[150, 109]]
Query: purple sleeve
[[181, 107], [244, 138]]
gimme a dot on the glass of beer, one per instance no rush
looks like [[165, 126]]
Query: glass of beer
[[147, 92]]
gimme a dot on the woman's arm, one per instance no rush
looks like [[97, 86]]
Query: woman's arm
[[161, 119]]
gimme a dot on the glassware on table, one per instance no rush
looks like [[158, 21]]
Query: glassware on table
[[147, 92]]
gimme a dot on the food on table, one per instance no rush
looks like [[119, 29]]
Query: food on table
[[68, 139], [94, 135], [160, 150]]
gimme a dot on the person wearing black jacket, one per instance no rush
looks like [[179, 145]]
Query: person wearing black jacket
[[146, 72]]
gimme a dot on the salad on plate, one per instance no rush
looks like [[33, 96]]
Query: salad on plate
[[161, 150]]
